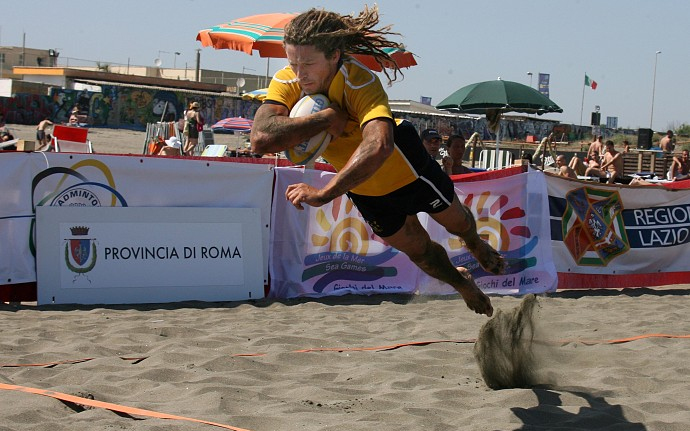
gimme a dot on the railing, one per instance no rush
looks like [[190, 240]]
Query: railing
[[651, 161]]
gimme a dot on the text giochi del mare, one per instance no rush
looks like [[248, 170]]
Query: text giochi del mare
[[168, 252]]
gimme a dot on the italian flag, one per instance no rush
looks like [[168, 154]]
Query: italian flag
[[590, 82]]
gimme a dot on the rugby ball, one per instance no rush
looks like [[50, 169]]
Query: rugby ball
[[311, 149]]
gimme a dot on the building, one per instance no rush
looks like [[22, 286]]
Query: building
[[11, 56], [31, 68]]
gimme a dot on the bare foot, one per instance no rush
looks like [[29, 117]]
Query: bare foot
[[488, 258], [475, 299]]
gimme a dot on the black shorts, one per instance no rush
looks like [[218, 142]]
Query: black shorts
[[431, 193]]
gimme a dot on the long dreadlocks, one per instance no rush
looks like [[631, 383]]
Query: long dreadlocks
[[329, 31]]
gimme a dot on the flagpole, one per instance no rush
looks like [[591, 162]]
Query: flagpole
[[582, 107]]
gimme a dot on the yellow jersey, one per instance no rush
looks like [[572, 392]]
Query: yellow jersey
[[360, 93]]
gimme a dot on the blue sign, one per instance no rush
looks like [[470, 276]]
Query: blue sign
[[544, 84]]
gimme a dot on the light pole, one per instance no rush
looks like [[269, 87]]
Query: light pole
[[175, 60], [248, 68], [530, 83], [159, 55], [651, 117]]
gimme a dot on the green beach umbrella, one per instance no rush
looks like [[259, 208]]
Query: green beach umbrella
[[493, 98], [505, 96]]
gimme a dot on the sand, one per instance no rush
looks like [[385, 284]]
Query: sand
[[119, 141], [240, 364]]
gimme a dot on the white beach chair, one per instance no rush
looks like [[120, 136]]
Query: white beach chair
[[487, 159]]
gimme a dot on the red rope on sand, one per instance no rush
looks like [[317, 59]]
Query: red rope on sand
[[136, 360], [110, 406], [629, 339], [465, 341]]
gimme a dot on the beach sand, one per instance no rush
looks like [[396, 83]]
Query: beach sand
[[119, 141], [240, 364]]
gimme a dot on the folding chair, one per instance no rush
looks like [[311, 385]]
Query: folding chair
[[214, 151], [71, 139]]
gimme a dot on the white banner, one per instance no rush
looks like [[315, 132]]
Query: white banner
[[619, 236], [331, 250], [92, 180], [17, 264], [509, 213], [115, 255]]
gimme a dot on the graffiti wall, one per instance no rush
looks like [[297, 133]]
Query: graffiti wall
[[119, 107], [25, 108]]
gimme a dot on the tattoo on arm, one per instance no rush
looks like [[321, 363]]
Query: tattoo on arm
[[364, 162]]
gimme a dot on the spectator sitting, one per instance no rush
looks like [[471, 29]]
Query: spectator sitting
[[452, 163], [578, 165], [6, 136], [173, 147], [612, 168], [563, 169], [73, 119], [680, 168]]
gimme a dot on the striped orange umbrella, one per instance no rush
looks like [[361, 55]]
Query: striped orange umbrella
[[233, 124], [264, 34]]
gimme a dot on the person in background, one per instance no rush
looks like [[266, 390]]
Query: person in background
[[577, 165], [596, 147], [73, 118], [194, 121], [172, 147], [680, 167], [431, 140], [6, 136], [381, 163], [563, 169], [668, 142], [526, 156], [626, 146], [612, 166], [41, 139], [452, 163]]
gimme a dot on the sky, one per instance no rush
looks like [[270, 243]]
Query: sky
[[456, 42]]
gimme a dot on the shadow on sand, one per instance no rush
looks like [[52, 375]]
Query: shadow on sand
[[550, 413]]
